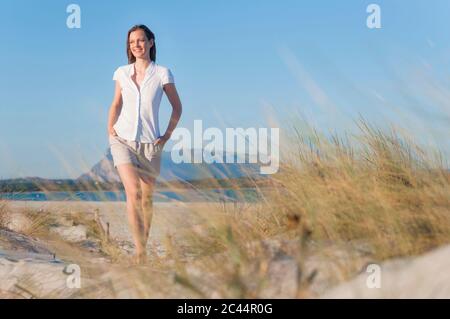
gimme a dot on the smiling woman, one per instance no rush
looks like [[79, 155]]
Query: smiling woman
[[140, 42], [133, 127]]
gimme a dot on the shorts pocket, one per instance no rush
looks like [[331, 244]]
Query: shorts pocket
[[152, 151], [159, 147], [113, 139]]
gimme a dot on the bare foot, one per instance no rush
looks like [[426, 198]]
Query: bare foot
[[140, 259]]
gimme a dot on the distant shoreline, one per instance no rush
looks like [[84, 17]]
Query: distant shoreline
[[160, 195], [33, 184]]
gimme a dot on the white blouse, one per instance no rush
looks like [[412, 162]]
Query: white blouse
[[138, 119]]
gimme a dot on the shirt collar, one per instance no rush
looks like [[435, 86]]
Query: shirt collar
[[147, 71]]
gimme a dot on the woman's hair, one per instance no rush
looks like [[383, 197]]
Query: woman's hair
[[149, 34]]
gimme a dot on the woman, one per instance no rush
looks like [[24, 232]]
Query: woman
[[133, 127]]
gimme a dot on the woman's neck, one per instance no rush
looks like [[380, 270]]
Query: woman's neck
[[142, 64]]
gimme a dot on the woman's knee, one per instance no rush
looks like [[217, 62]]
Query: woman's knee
[[134, 193], [147, 202]]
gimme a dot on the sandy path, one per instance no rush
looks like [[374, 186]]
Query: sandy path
[[169, 218]]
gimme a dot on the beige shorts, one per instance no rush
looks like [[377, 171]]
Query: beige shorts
[[146, 157]]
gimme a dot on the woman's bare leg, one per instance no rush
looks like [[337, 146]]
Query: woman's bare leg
[[147, 188], [130, 179]]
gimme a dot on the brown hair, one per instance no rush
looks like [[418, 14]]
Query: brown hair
[[149, 34]]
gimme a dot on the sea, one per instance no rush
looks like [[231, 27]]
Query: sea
[[209, 195]]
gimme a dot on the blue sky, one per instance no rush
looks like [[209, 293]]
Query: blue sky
[[236, 64]]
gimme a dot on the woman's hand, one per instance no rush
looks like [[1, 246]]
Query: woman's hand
[[162, 140]]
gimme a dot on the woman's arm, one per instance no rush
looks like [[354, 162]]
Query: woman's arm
[[114, 110], [174, 100]]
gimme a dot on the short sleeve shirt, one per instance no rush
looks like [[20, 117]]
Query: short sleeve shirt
[[139, 116]]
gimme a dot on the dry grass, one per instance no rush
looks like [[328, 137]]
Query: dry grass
[[377, 189], [3, 213], [36, 222]]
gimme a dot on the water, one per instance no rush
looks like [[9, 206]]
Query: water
[[214, 195]]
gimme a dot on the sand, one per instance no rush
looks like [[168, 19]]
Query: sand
[[168, 218], [20, 267]]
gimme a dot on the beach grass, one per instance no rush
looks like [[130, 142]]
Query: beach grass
[[376, 191]]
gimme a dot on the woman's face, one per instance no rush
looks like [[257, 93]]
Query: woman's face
[[139, 44]]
